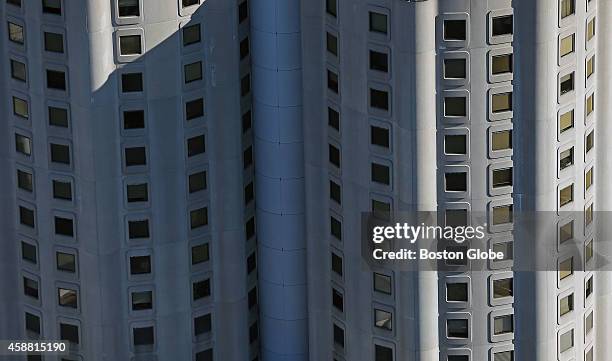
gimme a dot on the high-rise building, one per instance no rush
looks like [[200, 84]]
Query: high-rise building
[[186, 179]]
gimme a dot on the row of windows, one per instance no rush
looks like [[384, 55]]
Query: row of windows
[[53, 7]]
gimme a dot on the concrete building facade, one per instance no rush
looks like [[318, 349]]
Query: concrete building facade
[[161, 203]]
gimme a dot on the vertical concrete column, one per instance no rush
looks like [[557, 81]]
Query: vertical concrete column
[[603, 172], [279, 178], [425, 192], [535, 47]]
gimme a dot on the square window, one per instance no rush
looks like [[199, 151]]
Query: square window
[[501, 140], [379, 61], [69, 332], [25, 181], [66, 262], [249, 193], [566, 341], [60, 153], [456, 217], [380, 173], [566, 83], [334, 155], [590, 29], [455, 182], [197, 182], [458, 358], [128, 8], [247, 157], [457, 292], [193, 72], [588, 251], [502, 25], [501, 64], [502, 214], [336, 264], [335, 228], [588, 288], [198, 218], [379, 136], [382, 283], [338, 336], [143, 336], [191, 34], [588, 323], [137, 193], [455, 144], [566, 304], [383, 319], [455, 68], [245, 85], [200, 254], [67, 297], [566, 158], [62, 190], [194, 109], [29, 253], [455, 106], [378, 22], [502, 177], [501, 102], [15, 33], [130, 45], [23, 144], [26, 217], [54, 42], [32, 323], [18, 70], [379, 99], [135, 156], [566, 121], [383, 353], [52, 7], [142, 300], [201, 289], [20, 107], [568, 45], [187, 3], [333, 119], [30, 287], [140, 265], [506, 248], [133, 119], [457, 328], [206, 355], [503, 324], [332, 81], [589, 142], [58, 117], [566, 195], [131, 82], [202, 324], [588, 179], [64, 226], [566, 268], [244, 48], [335, 192], [503, 288], [243, 14], [455, 30], [332, 44], [331, 7], [567, 8], [195, 145], [589, 104], [138, 229], [503, 356], [337, 300], [252, 298], [56, 79], [566, 232]]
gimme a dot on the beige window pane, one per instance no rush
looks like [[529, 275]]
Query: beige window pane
[[501, 140], [590, 142], [502, 214], [567, 8], [501, 64], [566, 232], [589, 104], [566, 195], [502, 177], [503, 324], [566, 158], [566, 341], [566, 304], [566, 121], [590, 31], [588, 179], [567, 45], [502, 102], [502, 288], [566, 268], [590, 66]]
